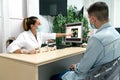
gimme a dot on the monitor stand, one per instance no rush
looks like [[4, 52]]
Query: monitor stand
[[61, 46], [76, 44]]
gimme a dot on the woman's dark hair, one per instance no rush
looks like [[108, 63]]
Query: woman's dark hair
[[27, 22], [100, 10]]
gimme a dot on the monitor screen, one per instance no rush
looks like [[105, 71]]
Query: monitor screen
[[76, 28]]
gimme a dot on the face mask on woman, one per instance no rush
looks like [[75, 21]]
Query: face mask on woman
[[39, 29]]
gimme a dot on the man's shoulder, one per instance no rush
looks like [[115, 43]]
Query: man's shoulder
[[107, 36]]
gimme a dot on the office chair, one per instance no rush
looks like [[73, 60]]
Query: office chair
[[108, 71], [9, 41]]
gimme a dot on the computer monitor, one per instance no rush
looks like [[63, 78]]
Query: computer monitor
[[76, 28]]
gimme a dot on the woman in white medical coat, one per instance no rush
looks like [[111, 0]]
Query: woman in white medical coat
[[30, 40]]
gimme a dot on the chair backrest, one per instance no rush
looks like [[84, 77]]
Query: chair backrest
[[108, 71], [9, 41]]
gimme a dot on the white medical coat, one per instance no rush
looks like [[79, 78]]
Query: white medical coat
[[26, 40]]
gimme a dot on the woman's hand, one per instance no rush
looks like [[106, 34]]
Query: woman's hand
[[69, 34], [32, 51]]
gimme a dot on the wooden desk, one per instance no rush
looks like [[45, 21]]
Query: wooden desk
[[26, 66]]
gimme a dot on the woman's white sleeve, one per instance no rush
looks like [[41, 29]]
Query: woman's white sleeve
[[47, 36]]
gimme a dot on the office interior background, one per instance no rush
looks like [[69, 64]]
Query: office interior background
[[12, 13]]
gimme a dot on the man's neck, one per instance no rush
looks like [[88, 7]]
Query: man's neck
[[101, 23]]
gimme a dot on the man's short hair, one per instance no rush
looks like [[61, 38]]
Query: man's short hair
[[100, 10]]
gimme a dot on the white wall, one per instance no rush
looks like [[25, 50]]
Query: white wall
[[77, 3], [0, 7], [17, 12], [117, 13], [0, 36], [4, 23], [0, 28], [15, 27], [12, 14]]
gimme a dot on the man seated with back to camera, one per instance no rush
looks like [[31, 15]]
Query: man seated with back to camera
[[103, 46]]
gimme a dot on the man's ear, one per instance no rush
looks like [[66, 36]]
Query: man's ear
[[93, 19]]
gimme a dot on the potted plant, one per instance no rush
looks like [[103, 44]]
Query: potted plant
[[72, 16], [59, 26]]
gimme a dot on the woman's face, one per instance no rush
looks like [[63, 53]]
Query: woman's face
[[35, 26], [37, 23]]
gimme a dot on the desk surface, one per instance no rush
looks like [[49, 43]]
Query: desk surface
[[46, 57]]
